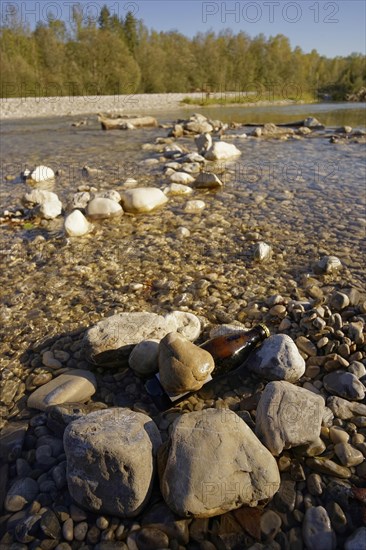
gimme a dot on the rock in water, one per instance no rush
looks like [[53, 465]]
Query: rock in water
[[208, 180], [214, 463], [183, 367], [143, 199], [317, 530], [42, 173], [100, 208], [327, 264], [203, 143], [111, 461], [262, 252], [73, 386], [181, 177], [49, 204], [278, 358], [220, 150], [76, 224], [288, 416]]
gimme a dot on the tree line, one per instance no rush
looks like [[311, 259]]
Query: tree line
[[116, 55]]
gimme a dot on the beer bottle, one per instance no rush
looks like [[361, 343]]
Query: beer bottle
[[228, 351]]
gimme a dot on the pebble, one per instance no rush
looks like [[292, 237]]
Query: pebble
[[270, 524], [356, 541], [80, 530], [348, 455], [148, 538], [337, 517], [21, 492], [194, 206], [338, 435], [315, 484], [68, 529], [317, 530], [328, 467], [305, 345], [344, 384], [49, 360], [357, 368], [50, 525]]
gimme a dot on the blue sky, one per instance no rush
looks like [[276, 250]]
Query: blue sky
[[331, 27]]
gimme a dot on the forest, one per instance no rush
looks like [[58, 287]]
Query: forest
[[115, 55]]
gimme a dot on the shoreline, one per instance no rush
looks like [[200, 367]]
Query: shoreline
[[42, 107]]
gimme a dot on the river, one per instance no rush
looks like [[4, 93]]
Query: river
[[305, 197]]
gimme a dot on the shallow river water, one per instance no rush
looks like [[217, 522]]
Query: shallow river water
[[305, 197]]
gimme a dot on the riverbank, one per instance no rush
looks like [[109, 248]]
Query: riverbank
[[32, 107]]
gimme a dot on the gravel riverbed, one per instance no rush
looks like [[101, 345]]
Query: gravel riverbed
[[302, 196]]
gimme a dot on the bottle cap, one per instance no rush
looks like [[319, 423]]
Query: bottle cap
[[265, 328]]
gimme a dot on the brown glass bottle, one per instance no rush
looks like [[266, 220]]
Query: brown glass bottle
[[228, 351]]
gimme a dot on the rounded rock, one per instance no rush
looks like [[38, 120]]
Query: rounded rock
[[144, 357], [110, 460], [21, 492], [317, 530]]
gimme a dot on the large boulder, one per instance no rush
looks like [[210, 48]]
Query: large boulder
[[111, 460], [214, 463], [278, 358], [288, 416], [111, 340]]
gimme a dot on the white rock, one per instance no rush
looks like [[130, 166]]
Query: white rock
[[130, 182], [178, 189], [42, 173], [144, 357], [194, 206], [183, 232], [188, 324], [288, 416], [111, 194], [194, 157], [76, 224], [220, 150], [143, 199], [181, 177], [76, 385], [49, 204], [79, 200], [278, 358], [50, 209], [262, 252], [100, 208]]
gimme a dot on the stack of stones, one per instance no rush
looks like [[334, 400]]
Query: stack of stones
[[273, 457]]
